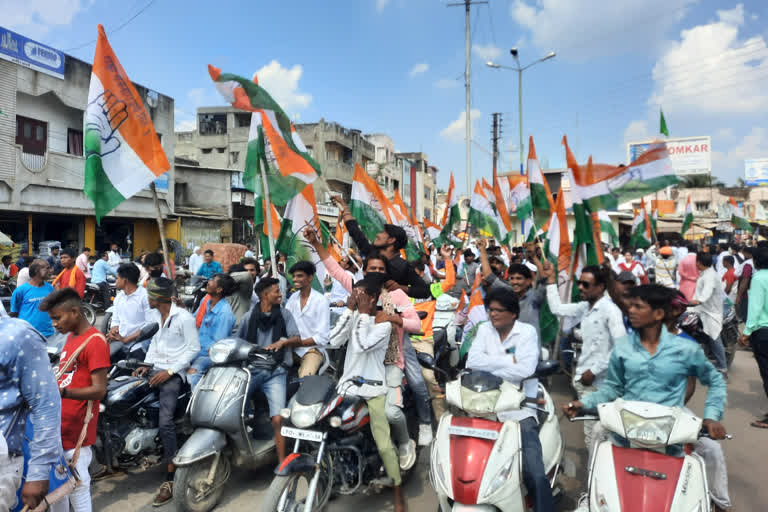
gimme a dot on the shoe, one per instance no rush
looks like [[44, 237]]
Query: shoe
[[164, 495], [425, 434], [407, 455]]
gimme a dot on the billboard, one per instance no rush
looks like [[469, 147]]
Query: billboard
[[31, 54], [689, 155], [756, 172]]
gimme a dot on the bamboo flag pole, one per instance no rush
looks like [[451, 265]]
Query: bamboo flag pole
[[268, 217], [556, 348], [161, 228]]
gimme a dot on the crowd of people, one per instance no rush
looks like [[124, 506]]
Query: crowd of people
[[628, 324]]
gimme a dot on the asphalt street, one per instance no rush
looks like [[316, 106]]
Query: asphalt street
[[745, 454]]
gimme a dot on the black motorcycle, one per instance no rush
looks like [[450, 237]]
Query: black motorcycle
[[691, 324], [193, 292], [128, 428]]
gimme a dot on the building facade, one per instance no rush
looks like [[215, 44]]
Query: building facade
[[419, 188], [41, 156]]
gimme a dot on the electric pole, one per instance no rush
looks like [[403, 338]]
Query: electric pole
[[467, 66], [495, 140]]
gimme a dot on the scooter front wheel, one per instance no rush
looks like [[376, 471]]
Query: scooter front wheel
[[192, 492]]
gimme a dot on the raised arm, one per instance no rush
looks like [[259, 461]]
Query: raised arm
[[352, 227]]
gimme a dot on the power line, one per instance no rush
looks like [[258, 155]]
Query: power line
[[115, 30]]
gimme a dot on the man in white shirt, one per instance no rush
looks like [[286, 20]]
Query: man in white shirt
[[131, 306], [171, 351], [708, 298], [312, 313], [249, 251], [115, 259], [82, 261], [195, 260], [510, 349], [602, 324]]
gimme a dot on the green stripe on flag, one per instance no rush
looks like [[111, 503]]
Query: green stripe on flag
[[99, 188]]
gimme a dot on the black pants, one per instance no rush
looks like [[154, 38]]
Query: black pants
[[169, 395], [759, 342], [105, 296]]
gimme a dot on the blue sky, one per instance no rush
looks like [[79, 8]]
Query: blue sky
[[396, 66]]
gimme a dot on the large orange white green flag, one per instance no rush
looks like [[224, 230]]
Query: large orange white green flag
[[398, 215], [368, 203], [738, 219], [476, 315], [122, 151], [483, 215], [274, 147], [451, 217], [541, 198]]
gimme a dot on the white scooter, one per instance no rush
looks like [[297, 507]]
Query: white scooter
[[652, 466], [476, 460]]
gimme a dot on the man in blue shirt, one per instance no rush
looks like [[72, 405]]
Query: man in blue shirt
[[26, 378], [27, 297], [209, 267], [99, 274], [652, 365], [215, 320]]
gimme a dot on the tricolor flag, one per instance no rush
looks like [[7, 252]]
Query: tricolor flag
[[688, 218], [433, 232], [483, 216], [738, 219], [260, 218], [398, 215], [273, 144], [604, 186], [300, 213], [487, 189], [368, 203], [502, 211], [475, 316], [122, 151], [655, 223], [606, 226], [451, 216], [641, 229], [557, 250], [541, 197], [583, 238]]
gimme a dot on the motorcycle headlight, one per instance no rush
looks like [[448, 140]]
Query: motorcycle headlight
[[646, 432], [303, 416], [221, 351], [502, 476], [479, 403]]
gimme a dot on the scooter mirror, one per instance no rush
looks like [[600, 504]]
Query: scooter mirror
[[426, 360], [148, 331], [547, 368]]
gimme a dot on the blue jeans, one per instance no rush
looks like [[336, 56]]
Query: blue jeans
[[273, 384], [534, 474], [201, 364], [416, 382], [718, 352]]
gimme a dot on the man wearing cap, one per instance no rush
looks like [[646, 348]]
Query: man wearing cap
[[666, 267], [171, 351]]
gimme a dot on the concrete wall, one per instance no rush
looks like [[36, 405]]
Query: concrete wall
[[59, 117], [208, 189]]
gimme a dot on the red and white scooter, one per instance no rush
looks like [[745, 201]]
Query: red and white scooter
[[476, 460], [652, 467]]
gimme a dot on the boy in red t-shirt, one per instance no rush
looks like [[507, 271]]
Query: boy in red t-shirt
[[82, 383]]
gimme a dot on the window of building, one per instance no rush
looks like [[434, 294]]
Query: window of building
[[427, 193], [242, 120], [701, 206], [159, 137], [764, 204], [221, 150], [206, 151], [234, 156], [428, 214], [396, 184], [32, 135], [74, 142], [212, 124], [311, 151]]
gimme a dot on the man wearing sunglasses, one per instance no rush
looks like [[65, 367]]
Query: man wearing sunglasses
[[602, 324]]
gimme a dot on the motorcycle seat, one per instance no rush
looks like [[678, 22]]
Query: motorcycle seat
[[91, 286]]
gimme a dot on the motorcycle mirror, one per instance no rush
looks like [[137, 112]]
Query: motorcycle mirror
[[426, 360], [148, 331], [422, 315], [547, 368]]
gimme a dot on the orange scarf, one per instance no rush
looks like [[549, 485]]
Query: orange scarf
[[202, 310], [72, 277]]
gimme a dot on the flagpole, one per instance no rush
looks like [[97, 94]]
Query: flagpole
[[556, 348], [346, 253], [161, 228], [268, 208]]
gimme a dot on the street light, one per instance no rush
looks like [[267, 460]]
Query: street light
[[520, 69]]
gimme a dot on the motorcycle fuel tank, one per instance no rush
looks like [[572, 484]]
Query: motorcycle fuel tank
[[124, 393]]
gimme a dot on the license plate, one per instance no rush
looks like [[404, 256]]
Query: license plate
[[473, 432], [304, 435]]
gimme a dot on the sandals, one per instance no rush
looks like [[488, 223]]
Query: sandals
[[760, 423]]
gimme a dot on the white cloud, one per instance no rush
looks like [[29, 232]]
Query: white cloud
[[455, 131], [419, 69], [186, 125], [446, 83], [637, 131], [283, 84], [578, 30], [381, 4], [711, 71], [486, 52], [33, 18], [729, 165]]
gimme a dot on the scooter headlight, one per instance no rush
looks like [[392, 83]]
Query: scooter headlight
[[221, 350], [647, 432], [303, 416], [502, 476]]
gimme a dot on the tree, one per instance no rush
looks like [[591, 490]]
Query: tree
[[740, 182], [699, 181]]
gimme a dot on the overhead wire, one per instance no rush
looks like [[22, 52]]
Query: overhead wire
[[116, 29]]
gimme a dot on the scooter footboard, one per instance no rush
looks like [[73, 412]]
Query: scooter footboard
[[203, 443]]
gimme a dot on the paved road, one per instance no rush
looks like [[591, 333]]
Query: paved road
[[746, 454]]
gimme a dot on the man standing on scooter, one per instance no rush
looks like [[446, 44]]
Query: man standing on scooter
[[171, 351], [652, 365], [312, 313], [510, 349]]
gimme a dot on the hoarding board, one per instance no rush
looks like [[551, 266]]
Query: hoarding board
[[689, 155], [756, 172], [31, 54]]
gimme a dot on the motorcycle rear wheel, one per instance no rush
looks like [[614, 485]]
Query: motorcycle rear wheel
[[190, 491], [89, 312]]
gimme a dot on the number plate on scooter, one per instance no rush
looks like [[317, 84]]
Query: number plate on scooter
[[473, 432], [304, 435]]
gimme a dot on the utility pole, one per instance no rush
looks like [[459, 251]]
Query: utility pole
[[495, 140], [467, 66]]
